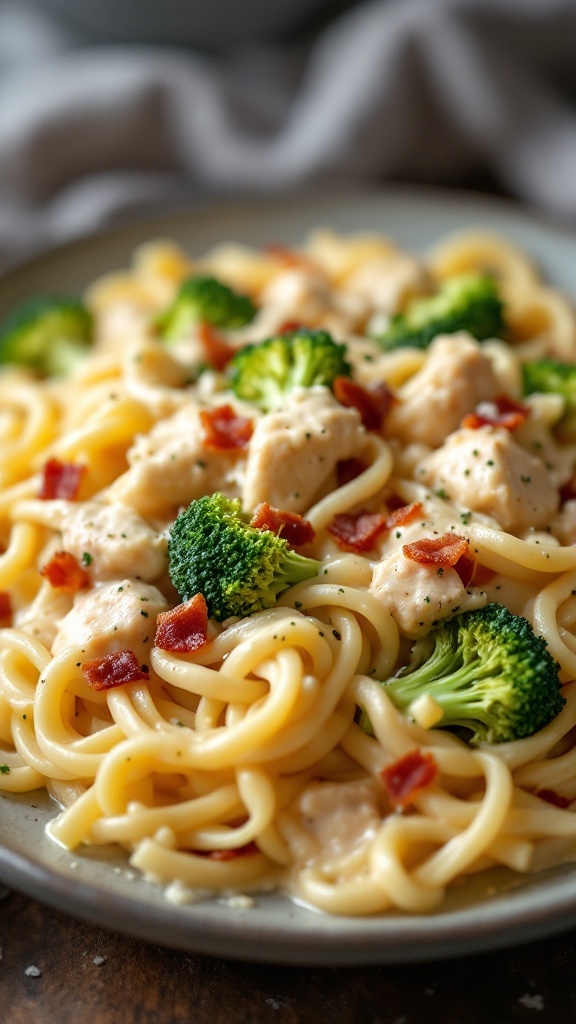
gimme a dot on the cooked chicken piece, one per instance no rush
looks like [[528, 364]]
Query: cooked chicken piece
[[171, 466], [114, 617], [486, 471], [156, 378], [387, 283], [454, 379], [419, 596], [113, 541], [42, 618], [293, 451], [110, 541], [329, 820], [304, 296]]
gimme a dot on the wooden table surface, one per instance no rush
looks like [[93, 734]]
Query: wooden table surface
[[90, 976]]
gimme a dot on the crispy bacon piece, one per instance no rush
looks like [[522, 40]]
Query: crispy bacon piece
[[184, 628], [404, 515], [348, 469], [501, 412], [357, 532], [217, 351], [466, 568], [289, 326], [242, 851], [568, 490], [224, 430], [287, 256], [287, 525], [373, 405], [61, 480], [5, 605], [404, 778], [552, 797], [114, 670], [482, 574], [63, 571], [444, 550]]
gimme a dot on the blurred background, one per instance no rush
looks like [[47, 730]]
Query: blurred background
[[112, 107]]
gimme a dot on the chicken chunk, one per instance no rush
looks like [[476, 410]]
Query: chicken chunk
[[486, 471], [304, 295], [155, 378], [293, 451], [114, 617], [111, 541], [454, 379], [332, 819], [42, 617], [419, 596], [170, 466], [387, 283], [114, 542]]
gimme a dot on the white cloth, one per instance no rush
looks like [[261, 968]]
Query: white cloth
[[426, 90]]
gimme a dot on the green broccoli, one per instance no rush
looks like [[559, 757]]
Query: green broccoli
[[550, 375], [488, 671], [204, 299], [240, 569], [264, 374], [45, 334], [469, 302]]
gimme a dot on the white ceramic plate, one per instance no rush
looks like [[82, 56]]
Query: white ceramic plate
[[490, 911]]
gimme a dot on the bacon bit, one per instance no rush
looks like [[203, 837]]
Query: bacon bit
[[394, 502], [5, 605], [373, 405], [224, 430], [403, 515], [568, 490], [348, 469], [114, 670], [552, 797], [185, 627], [216, 350], [357, 532], [465, 567], [63, 572], [502, 412], [444, 550], [291, 326], [407, 776], [242, 851], [289, 526], [482, 575], [61, 480], [287, 256]]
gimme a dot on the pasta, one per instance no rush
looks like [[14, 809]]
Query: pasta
[[244, 765]]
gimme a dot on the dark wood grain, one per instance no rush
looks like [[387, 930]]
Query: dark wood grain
[[143, 984]]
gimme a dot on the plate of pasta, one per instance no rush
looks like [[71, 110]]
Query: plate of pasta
[[288, 578]]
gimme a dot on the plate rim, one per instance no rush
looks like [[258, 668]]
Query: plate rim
[[206, 207]]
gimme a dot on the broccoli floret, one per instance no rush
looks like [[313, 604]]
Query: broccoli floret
[[213, 550], [264, 374], [489, 672], [204, 299], [45, 334], [550, 375], [469, 302]]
